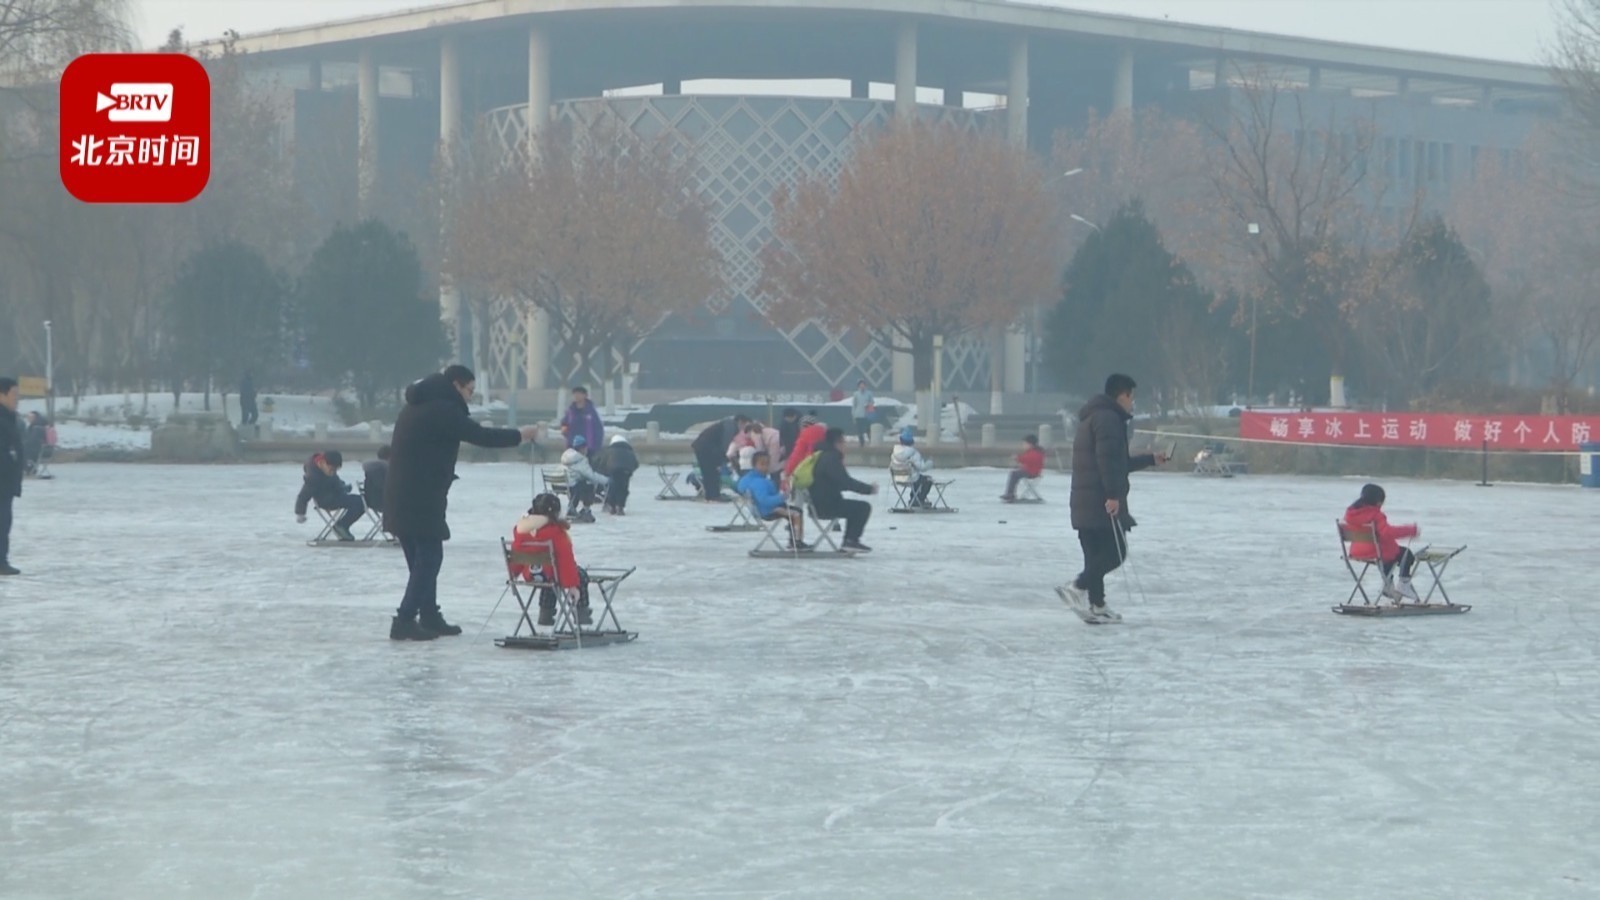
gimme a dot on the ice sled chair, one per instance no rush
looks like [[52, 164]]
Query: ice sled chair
[[556, 480], [669, 486], [371, 532], [775, 543], [39, 466], [745, 518], [1213, 460], [1028, 491], [904, 479], [1435, 560], [567, 632]]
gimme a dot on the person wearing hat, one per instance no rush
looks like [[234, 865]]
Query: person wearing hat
[[584, 484], [906, 454], [543, 527], [617, 462], [323, 485]]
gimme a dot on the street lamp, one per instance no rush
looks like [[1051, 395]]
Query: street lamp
[[1255, 300], [49, 373]]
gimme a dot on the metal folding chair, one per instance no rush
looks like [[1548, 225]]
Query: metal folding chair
[[1435, 560], [777, 545], [669, 486], [1028, 491], [745, 518], [556, 480], [372, 537], [904, 479], [822, 528], [567, 632]]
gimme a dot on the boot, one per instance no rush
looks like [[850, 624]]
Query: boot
[[9, 569], [547, 611], [343, 533], [403, 629], [583, 614], [434, 621]]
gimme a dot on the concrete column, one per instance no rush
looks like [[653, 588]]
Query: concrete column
[[902, 376], [997, 369], [1219, 75], [1122, 88], [1314, 79], [1403, 85], [314, 74], [1486, 98], [860, 88], [672, 87], [1016, 344], [536, 326], [367, 159], [954, 96], [905, 71], [1017, 93], [449, 143]]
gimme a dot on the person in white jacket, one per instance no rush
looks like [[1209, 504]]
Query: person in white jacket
[[584, 484], [906, 454]]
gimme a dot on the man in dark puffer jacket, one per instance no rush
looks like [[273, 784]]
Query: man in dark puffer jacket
[[1101, 463]]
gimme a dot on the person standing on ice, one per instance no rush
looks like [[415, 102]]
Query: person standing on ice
[[862, 407], [249, 414], [582, 420], [711, 448], [1101, 463], [422, 464], [10, 468]]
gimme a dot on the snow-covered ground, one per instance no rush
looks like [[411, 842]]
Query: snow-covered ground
[[193, 704]]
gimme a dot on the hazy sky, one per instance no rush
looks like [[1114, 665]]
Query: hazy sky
[[1518, 30]]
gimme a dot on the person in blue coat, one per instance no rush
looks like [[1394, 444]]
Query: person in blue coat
[[770, 502]]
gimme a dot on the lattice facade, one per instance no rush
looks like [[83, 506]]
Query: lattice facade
[[745, 148]]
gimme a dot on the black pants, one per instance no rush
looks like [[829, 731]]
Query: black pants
[[424, 556], [5, 527], [1406, 559], [1103, 551], [617, 492], [855, 514], [248, 414], [921, 488], [581, 493], [863, 430], [711, 476], [353, 508], [1016, 477]]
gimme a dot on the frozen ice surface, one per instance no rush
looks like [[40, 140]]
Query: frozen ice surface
[[193, 704]]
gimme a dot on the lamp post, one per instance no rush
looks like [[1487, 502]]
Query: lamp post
[[1255, 300], [49, 372]]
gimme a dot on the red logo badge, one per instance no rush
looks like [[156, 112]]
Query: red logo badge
[[135, 128]]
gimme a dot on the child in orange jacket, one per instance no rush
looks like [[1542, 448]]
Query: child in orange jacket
[[543, 526], [1367, 512], [1030, 465]]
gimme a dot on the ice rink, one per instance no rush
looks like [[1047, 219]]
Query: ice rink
[[194, 704]]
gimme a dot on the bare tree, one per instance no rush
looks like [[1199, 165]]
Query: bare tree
[[931, 231], [1314, 190], [603, 232]]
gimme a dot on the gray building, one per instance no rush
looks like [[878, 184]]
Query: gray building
[[383, 94]]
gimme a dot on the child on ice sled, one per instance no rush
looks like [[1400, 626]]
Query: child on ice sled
[[543, 525], [1367, 512]]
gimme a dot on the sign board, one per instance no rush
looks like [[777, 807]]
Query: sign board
[[1435, 430], [32, 386]]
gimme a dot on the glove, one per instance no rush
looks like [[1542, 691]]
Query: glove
[[300, 518]]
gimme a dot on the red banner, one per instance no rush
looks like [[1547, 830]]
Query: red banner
[[1437, 430]]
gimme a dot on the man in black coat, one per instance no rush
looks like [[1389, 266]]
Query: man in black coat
[[711, 450], [788, 433], [248, 413], [1101, 463], [829, 482], [11, 466], [422, 464], [617, 462]]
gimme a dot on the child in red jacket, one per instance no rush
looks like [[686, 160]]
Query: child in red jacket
[[1030, 464], [1367, 512], [541, 526]]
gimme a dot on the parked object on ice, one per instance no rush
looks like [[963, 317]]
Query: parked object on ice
[[542, 568], [1367, 537], [1030, 466]]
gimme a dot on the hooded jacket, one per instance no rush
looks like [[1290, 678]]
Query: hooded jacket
[[617, 460], [909, 455], [328, 491], [1101, 463], [422, 464], [578, 467], [1388, 535], [827, 491], [530, 532], [1031, 462]]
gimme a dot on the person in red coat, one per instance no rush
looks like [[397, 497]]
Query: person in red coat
[[543, 526], [1367, 512], [1030, 464], [810, 441]]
